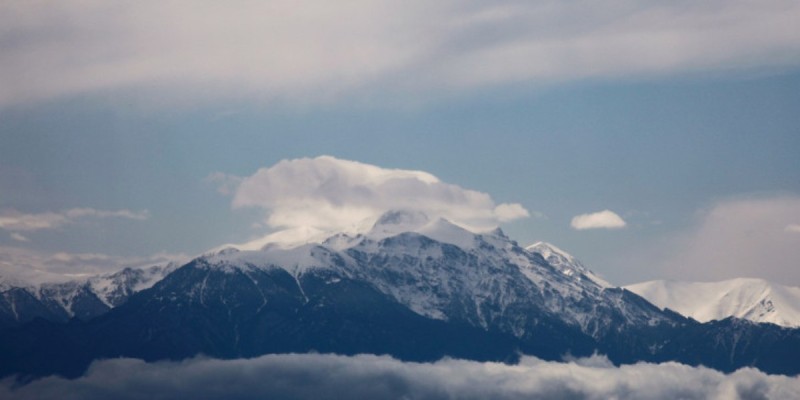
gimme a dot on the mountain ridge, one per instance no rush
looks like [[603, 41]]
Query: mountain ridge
[[84, 297], [405, 294]]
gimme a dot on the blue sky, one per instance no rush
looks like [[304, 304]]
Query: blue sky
[[682, 119]]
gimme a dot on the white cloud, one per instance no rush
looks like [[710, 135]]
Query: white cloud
[[733, 238], [319, 376], [606, 219], [14, 221], [316, 51], [794, 228], [330, 194]]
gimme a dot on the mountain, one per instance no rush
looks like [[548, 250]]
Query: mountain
[[442, 271], [756, 300], [59, 298], [409, 286]]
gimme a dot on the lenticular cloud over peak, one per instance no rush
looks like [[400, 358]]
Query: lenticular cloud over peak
[[330, 194]]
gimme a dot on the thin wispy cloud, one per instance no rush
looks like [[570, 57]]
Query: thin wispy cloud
[[330, 194], [605, 219], [317, 51], [28, 265], [15, 221], [320, 376]]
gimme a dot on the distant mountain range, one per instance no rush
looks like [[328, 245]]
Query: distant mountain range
[[752, 299], [414, 288], [83, 298]]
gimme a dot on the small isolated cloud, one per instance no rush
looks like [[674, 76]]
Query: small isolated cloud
[[793, 228], [320, 376], [605, 219], [330, 194], [15, 221]]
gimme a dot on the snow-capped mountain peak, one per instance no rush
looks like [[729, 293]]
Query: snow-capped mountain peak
[[756, 300], [439, 229], [551, 252], [566, 263], [114, 288]]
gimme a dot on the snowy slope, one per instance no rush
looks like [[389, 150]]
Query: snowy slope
[[752, 299], [566, 263], [114, 288]]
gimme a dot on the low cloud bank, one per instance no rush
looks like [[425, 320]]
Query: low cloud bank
[[316, 376]]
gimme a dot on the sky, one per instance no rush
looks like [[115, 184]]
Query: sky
[[652, 140]]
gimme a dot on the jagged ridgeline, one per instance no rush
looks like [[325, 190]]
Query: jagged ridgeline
[[410, 287]]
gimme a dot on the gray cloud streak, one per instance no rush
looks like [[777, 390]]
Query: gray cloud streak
[[30, 266], [318, 51], [15, 221], [314, 376]]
